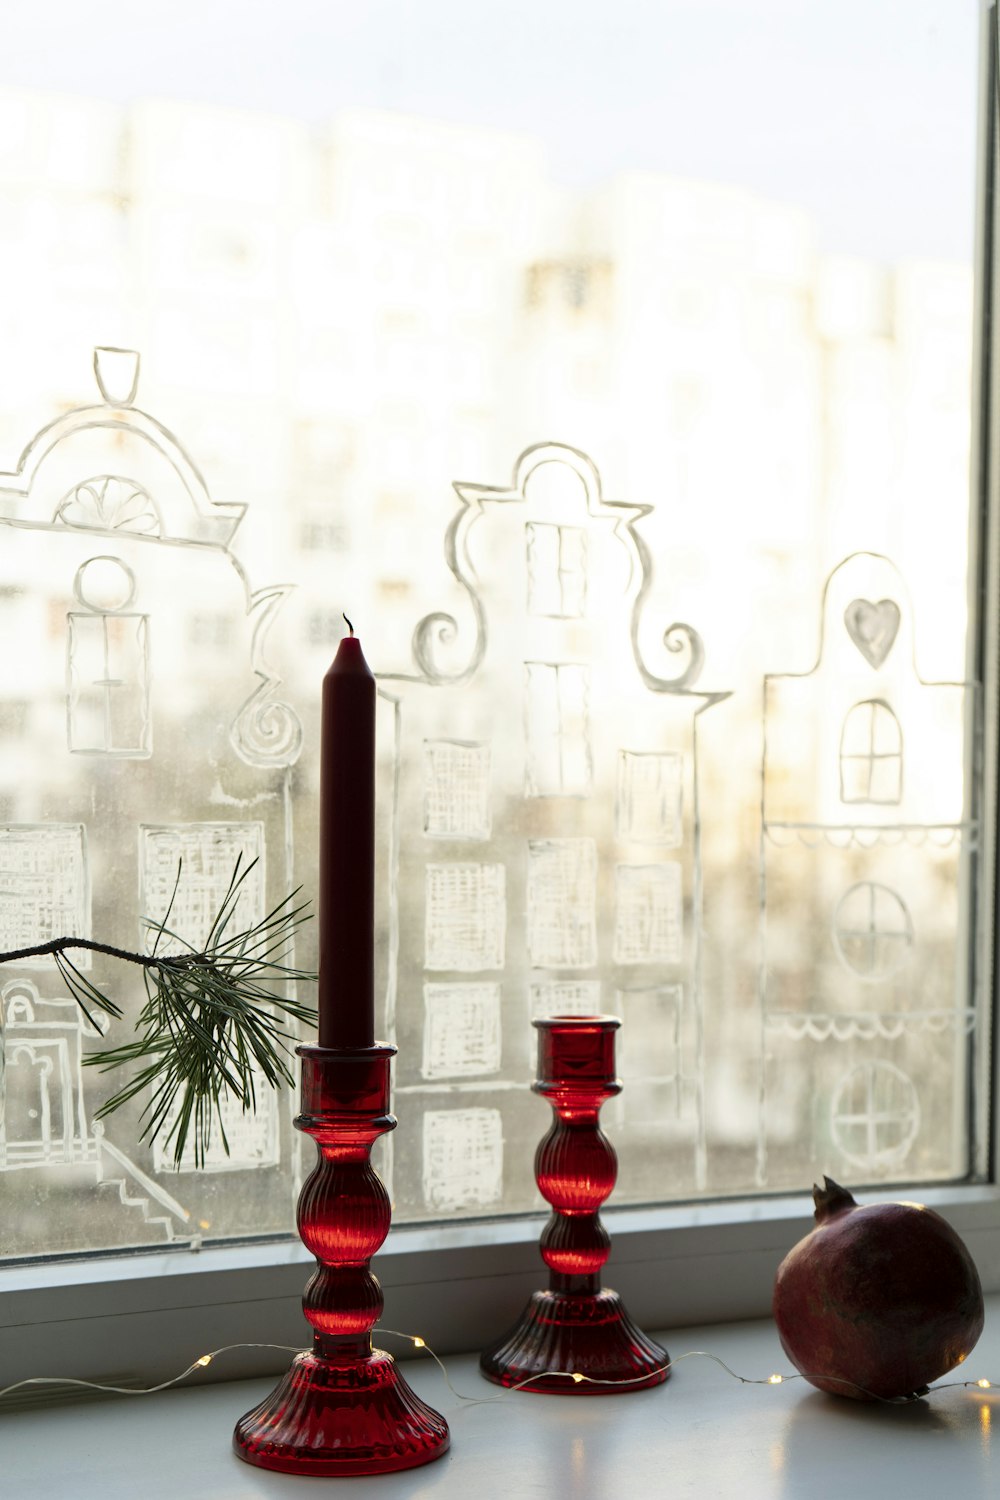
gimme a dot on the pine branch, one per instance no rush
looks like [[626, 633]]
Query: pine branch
[[212, 1024]]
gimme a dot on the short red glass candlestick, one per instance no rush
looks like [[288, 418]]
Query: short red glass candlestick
[[343, 1408], [576, 1327]]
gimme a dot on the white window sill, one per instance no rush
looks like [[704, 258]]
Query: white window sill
[[700, 1434], [140, 1319]]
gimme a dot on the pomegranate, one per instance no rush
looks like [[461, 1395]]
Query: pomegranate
[[878, 1300]]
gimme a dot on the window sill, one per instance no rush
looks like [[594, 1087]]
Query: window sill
[[710, 1434], [139, 1319]]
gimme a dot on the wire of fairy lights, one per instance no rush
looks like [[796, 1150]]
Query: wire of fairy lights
[[204, 1360]]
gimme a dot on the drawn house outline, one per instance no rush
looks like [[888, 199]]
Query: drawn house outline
[[117, 500], [859, 846], [521, 677]]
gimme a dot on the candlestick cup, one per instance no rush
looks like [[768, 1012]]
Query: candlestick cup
[[343, 1407], [576, 1337]]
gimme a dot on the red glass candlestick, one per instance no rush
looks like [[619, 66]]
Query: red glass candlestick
[[343, 1408], [576, 1327]]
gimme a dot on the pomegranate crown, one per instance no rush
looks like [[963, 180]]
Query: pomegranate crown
[[831, 1199]]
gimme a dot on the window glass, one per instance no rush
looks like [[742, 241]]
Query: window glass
[[611, 369]]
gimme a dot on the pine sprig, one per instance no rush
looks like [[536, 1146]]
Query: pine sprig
[[213, 1024]]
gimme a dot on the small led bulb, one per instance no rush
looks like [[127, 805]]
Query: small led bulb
[[578, 1377], [206, 1359], [775, 1379], [985, 1385], [419, 1343]]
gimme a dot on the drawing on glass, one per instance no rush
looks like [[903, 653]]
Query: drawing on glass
[[44, 888], [107, 664], [868, 852], [461, 1030], [564, 997], [556, 564], [463, 1158], [109, 502], [576, 768], [868, 1026], [872, 931], [112, 545], [185, 868], [558, 761], [873, 628], [42, 1090], [562, 903], [648, 913], [875, 1116], [649, 806], [456, 790], [466, 916]]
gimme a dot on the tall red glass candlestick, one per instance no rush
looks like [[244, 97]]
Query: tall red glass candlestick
[[346, 999], [576, 1327], [343, 1407]]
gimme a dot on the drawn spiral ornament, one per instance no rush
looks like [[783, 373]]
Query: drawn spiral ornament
[[267, 732], [435, 640], [678, 639]]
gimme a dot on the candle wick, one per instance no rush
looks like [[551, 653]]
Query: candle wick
[[349, 625]]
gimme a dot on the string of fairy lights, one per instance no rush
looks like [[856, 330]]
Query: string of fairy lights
[[575, 1376]]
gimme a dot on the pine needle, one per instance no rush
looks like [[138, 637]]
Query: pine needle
[[216, 1021]]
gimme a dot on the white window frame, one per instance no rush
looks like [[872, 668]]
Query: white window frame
[[143, 1317]]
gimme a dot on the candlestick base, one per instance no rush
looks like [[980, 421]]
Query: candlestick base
[[344, 1408], [325, 1418], [590, 1335]]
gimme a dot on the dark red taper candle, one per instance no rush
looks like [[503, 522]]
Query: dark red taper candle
[[347, 851]]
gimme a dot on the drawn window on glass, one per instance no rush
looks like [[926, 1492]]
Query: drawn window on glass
[[871, 754], [562, 903], [649, 803], [456, 790], [44, 887], [557, 570], [557, 727], [872, 931], [107, 664], [207, 855], [875, 1115], [648, 913], [463, 1158], [461, 1030], [564, 997], [109, 502], [465, 916]]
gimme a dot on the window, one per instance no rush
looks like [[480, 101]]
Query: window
[[871, 754], [639, 466]]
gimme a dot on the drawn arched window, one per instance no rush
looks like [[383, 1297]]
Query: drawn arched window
[[871, 754]]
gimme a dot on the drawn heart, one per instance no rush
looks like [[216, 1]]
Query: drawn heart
[[872, 627]]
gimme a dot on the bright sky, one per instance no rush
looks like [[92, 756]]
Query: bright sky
[[861, 111]]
